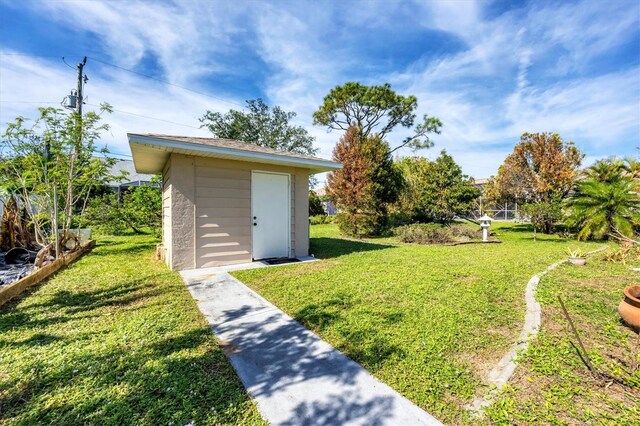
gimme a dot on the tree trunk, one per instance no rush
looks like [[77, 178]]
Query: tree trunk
[[15, 232]]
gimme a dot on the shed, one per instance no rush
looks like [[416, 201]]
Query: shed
[[227, 201]]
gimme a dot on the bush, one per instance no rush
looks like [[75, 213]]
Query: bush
[[319, 219], [423, 234], [435, 190], [362, 224], [436, 234], [465, 233], [315, 205], [543, 215], [365, 186], [140, 208]]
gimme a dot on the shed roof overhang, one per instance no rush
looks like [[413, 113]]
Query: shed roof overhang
[[150, 154]]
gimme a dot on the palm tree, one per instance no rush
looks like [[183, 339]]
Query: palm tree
[[605, 201]]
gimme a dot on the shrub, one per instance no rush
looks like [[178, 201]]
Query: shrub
[[319, 219], [140, 207], [315, 205], [543, 215], [435, 190], [436, 234], [624, 255], [365, 186], [423, 234], [465, 233], [606, 202], [362, 224]]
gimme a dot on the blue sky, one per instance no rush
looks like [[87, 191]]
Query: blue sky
[[490, 70]]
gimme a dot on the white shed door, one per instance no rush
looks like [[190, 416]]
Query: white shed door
[[271, 213]]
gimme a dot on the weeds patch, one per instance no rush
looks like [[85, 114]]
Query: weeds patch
[[552, 384]]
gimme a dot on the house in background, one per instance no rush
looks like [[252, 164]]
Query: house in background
[[132, 179], [328, 205], [226, 201], [507, 211]]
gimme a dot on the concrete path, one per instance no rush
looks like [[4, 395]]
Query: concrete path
[[294, 376]]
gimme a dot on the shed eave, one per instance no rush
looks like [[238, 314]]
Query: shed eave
[[151, 154]]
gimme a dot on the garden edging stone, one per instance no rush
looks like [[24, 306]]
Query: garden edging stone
[[503, 370]]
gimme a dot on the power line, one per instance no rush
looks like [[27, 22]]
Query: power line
[[115, 110], [27, 102], [29, 55], [98, 151], [150, 118], [166, 82], [133, 72]]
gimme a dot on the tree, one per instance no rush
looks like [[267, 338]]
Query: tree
[[543, 215], [261, 126], [139, 208], [54, 164], [375, 110], [435, 191], [606, 201], [365, 186], [541, 169], [315, 204]]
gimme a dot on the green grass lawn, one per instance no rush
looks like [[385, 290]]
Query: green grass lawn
[[115, 338], [552, 385], [430, 321]]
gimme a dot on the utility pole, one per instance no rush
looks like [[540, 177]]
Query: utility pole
[[74, 101], [81, 80]]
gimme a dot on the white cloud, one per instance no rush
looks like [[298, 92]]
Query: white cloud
[[187, 41], [530, 69], [486, 94], [49, 82]]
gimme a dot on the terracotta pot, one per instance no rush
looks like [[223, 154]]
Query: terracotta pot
[[629, 308], [579, 261]]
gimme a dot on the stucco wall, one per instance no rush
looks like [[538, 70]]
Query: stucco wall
[[211, 211], [166, 211], [301, 213], [182, 212]]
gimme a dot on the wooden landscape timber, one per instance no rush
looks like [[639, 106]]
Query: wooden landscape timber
[[12, 290]]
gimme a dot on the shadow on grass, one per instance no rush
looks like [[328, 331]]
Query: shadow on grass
[[322, 315], [38, 339], [119, 295], [66, 304], [521, 227], [106, 248], [363, 345], [327, 248], [148, 385], [139, 369]]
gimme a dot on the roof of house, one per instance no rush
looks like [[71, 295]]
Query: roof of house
[[132, 175], [151, 152]]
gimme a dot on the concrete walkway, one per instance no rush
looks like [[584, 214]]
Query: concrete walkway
[[295, 378]]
